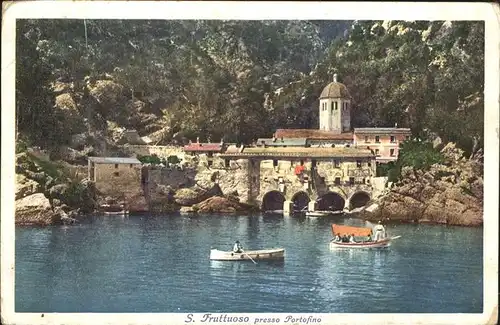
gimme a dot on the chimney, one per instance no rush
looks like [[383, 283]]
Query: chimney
[[197, 139], [274, 138], [334, 77], [396, 125], [221, 141]]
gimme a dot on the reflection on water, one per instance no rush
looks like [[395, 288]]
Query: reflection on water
[[161, 264]]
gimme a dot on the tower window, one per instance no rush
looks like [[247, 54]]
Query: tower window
[[358, 163], [377, 139], [336, 107], [393, 139]]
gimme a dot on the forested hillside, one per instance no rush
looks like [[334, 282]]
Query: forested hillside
[[173, 80]]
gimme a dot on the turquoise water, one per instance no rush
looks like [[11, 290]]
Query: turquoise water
[[160, 264]]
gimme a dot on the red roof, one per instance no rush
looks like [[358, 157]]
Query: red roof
[[203, 147], [312, 134]]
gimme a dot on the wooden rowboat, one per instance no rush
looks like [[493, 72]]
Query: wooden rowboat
[[358, 232], [384, 243], [319, 214], [263, 254]]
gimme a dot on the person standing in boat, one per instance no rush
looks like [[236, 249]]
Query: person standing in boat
[[351, 239], [237, 248], [379, 231]]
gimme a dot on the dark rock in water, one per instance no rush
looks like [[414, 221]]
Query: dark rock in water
[[191, 196], [218, 204]]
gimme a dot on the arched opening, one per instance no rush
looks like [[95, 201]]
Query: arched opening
[[330, 201], [300, 201], [273, 201], [358, 200]]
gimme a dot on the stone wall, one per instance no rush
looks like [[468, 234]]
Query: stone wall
[[123, 181], [160, 151], [173, 177]]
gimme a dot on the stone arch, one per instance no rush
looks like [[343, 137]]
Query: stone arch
[[359, 199], [273, 200], [330, 201], [300, 200]]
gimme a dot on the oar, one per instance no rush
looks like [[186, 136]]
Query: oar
[[250, 258]]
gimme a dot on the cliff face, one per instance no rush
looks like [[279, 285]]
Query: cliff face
[[451, 193]]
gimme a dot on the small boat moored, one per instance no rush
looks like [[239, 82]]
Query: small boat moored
[[362, 238], [319, 214], [255, 255]]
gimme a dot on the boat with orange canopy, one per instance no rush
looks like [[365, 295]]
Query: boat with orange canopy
[[362, 234]]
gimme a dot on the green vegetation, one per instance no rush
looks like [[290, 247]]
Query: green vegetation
[[412, 153], [243, 79], [173, 160], [153, 159]]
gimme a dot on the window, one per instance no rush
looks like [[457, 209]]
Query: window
[[227, 163], [210, 154], [393, 139], [369, 163], [336, 107], [407, 137], [351, 180], [377, 139], [377, 152], [275, 162], [358, 163], [337, 180], [392, 152], [130, 166], [116, 166], [313, 163], [116, 174], [332, 106], [302, 162], [337, 163], [366, 138]]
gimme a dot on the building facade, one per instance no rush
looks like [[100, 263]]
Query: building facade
[[384, 142]]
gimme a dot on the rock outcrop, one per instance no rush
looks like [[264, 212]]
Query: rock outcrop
[[451, 193], [35, 209], [218, 204]]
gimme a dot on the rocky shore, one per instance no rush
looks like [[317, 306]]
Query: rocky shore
[[46, 195], [449, 193]]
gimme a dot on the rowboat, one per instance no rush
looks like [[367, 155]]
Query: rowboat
[[116, 213], [273, 212], [362, 233], [319, 214], [383, 243], [263, 254]]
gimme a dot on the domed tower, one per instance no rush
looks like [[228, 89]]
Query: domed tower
[[335, 108]]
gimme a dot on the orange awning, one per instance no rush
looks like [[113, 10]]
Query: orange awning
[[348, 230]]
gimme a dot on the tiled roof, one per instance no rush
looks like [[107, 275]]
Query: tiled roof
[[114, 160], [382, 130], [304, 152], [203, 147], [312, 134], [277, 142]]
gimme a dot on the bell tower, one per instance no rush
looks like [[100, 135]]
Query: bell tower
[[335, 108]]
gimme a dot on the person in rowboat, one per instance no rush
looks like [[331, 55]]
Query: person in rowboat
[[379, 231], [237, 248], [351, 239], [337, 238]]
